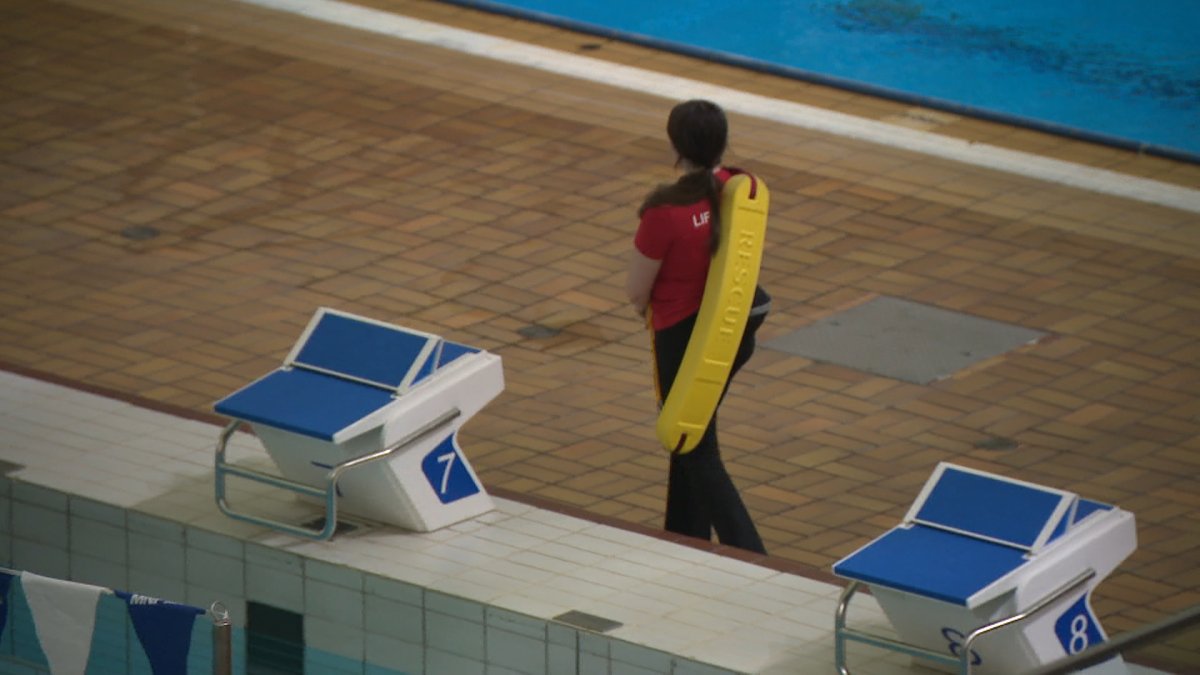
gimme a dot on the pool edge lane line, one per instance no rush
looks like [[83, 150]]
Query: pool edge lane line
[[785, 112]]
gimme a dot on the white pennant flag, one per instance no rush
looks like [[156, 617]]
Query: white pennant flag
[[64, 616]]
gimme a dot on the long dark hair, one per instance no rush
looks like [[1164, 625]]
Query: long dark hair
[[699, 134]]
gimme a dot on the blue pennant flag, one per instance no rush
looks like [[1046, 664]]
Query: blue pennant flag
[[164, 629]]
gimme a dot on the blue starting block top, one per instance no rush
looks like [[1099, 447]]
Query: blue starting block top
[[965, 531], [342, 368], [987, 507], [931, 562]]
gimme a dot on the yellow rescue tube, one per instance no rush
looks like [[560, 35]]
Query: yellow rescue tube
[[728, 295]]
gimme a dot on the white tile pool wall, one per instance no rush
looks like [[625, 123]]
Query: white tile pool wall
[[349, 613], [120, 496]]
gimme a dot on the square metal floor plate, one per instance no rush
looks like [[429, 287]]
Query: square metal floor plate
[[597, 624], [904, 340]]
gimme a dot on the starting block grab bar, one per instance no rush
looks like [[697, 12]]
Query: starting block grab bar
[[963, 660], [328, 493]]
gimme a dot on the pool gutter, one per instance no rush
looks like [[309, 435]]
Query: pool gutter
[[846, 84]]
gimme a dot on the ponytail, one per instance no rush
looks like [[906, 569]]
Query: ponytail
[[714, 220], [699, 133]]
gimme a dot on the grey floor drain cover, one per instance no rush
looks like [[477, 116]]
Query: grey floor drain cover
[[904, 340], [587, 621], [319, 524], [538, 331]]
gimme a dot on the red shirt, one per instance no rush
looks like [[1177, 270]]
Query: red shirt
[[679, 237]]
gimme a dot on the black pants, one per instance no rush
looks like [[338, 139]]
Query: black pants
[[701, 495]]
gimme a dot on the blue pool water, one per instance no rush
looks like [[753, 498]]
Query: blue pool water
[[1115, 71]]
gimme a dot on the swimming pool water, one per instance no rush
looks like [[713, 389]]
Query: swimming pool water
[[1112, 70]]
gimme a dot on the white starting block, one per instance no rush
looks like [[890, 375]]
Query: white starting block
[[984, 556], [365, 415]]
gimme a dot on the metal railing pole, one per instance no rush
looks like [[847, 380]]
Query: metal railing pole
[[222, 634]]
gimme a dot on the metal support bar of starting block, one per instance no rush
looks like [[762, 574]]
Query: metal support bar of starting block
[[327, 493], [963, 661], [841, 634]]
